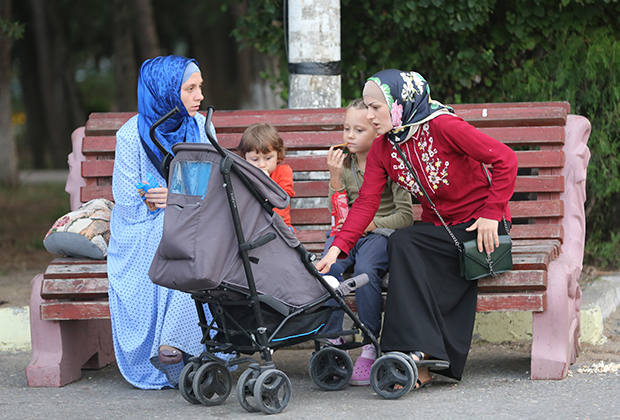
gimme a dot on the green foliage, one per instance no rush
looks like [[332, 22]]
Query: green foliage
[[582, 69], [13, 30], [604, 254], [491, 51]]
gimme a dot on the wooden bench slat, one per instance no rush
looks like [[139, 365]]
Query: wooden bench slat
[[511, 302], [514, 280], [106, 124], [304, 189], [91, 192], [512, 136], [540, 158], [105, 144], [524, 184], [312, 216], [76, 271], [97, 168], [75, 261], [514, 117], [315, 163], [527, 136], [538, 261], [99, 145], [554, 243], [534, 301], [536, 209], [82, 288], [519, 210], [68, 311], [537, 232]]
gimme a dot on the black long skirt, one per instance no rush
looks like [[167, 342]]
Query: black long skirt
[[430, 307]]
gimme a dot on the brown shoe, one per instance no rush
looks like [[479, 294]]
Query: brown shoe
[[169, 355]]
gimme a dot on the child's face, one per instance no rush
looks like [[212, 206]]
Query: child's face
[[358, 131], [265, 161]]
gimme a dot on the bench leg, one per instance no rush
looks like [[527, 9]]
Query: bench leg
[[556, 331], [61, 349]]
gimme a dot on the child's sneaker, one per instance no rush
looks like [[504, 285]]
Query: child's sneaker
[[361, 369]]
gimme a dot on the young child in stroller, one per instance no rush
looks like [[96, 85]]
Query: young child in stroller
[[260, 282]]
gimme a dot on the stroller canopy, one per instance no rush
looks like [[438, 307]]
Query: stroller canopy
[[199, 249]]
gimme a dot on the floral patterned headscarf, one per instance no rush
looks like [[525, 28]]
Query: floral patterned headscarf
[[409, 100]]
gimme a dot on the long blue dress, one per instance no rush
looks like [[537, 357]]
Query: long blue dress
[[144, 315]]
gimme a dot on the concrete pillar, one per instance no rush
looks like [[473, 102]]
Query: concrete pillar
[[314, 53]]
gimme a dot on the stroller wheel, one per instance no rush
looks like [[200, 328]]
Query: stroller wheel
[[330, 368], [186, 380], [212, 384], [272, 391], [245, 390], [391, 370]]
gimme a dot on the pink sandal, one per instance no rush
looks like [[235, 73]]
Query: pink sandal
[[361, 369]]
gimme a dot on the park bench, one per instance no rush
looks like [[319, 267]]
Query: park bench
[[69, 307]]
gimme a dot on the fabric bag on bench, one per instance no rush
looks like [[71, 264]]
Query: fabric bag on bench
[[83, 233]]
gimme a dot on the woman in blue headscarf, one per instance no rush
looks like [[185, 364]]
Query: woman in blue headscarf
[[154, 328]]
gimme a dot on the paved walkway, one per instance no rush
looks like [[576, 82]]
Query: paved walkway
[[496, 385], [42, 176]]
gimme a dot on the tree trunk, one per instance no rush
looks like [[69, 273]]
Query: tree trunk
[[68, 97], [125, 70], [8, 155], [55, 130], [257, 93], [213, 47], [148, 42]]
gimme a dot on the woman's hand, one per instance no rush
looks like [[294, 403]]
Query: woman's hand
[[330, 257], [488, 236], [157, 196], [335, 158]]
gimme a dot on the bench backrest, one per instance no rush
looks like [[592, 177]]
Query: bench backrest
[[534, 130]]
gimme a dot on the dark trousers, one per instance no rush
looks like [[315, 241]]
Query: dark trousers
[[368, 256]]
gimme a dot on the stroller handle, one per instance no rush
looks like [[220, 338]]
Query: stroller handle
[[214, 142], [157, 124]]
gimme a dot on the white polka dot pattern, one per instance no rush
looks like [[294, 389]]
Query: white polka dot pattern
[[144, 315]]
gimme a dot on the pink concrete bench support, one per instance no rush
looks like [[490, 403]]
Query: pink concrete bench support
[[556, 331], [60, 350]]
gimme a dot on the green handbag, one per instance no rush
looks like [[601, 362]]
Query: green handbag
[[474, 265]]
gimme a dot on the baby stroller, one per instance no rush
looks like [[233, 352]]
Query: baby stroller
[[260, 284]]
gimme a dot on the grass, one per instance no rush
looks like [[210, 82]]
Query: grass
[[26, 214]]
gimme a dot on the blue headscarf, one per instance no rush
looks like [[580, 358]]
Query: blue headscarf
[[159, 91], [408, 97]]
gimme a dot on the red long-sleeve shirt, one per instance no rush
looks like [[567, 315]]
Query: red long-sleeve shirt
[[446, 154], [283, 176]]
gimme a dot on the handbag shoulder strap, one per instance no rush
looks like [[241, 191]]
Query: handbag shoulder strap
[[445, 225]]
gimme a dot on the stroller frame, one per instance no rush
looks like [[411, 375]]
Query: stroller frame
[[207, 379]]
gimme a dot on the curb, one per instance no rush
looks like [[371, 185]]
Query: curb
[[15, 331], [600, 299]]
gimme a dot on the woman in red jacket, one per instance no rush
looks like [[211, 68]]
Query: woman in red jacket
[[430, 308]]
